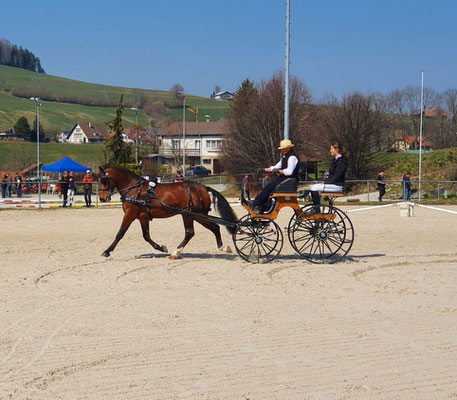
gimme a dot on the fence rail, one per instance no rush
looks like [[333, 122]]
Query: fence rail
[[355, 190]]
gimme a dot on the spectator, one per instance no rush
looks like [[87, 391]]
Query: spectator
[[178, 177], [18, 180], [381, 185], [87, 180], [5, 186], [64, 188], [407, 186], [71, 189], [246, 187]]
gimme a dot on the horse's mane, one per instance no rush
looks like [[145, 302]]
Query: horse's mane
[[126, 170]]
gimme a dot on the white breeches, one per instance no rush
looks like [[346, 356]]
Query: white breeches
[[326, 187]]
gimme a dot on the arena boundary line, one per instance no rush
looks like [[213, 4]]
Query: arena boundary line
[[432, 208]]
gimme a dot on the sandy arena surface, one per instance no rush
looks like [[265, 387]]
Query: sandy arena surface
[[74, 325]]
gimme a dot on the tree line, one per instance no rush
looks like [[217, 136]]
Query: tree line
[[363, 123], [15, 56]]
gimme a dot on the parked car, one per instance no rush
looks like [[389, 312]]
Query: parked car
[[198, 170]]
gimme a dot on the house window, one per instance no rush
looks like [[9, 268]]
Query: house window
[[214, 144], [197, 144], [206, 161], [175, 144]]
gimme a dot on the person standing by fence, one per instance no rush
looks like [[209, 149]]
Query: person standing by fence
[[381, 185], [407, 186], [87, 180], [71, 189], [64, 188], [246, 187]]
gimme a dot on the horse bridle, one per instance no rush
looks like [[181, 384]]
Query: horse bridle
[[105, 180]]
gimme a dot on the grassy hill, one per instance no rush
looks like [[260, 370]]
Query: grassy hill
[[437, 165], [62, 115]]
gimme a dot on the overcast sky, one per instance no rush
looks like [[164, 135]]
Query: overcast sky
[[336, 46]]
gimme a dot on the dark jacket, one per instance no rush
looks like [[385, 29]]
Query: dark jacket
[[337, 172]]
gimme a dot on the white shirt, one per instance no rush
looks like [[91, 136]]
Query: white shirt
[[291, 164]]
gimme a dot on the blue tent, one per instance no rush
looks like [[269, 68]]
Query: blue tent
[[65, 164]]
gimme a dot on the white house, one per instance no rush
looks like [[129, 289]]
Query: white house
[[202, 144], [87, 132], [223, 96]]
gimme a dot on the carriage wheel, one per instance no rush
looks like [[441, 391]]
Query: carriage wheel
[[258, 240], [325, 238]]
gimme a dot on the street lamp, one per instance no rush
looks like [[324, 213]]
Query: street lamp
[[136, 131], [38, 105]]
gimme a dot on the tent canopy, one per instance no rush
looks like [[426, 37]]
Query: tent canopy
[[65, 164]]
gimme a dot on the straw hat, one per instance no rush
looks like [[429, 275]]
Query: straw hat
[[285, 144]]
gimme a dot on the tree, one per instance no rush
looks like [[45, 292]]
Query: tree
[[255, 123], [356, 122], [450, 103], [22, 128], [177, 92], [33, 132], [115, 149]]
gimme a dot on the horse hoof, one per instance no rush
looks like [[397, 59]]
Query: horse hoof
[[178, 257], [226, 249], [164, 249], [105, 254]]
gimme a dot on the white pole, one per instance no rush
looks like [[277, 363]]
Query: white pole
[[286, 96], [184, 137], [420, 135], [38, 150]]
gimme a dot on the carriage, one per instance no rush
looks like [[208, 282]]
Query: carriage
[[325, 237]]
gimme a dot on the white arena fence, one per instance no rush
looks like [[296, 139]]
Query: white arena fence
[[360, 190]]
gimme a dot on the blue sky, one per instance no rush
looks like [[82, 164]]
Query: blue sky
[[337, 46]]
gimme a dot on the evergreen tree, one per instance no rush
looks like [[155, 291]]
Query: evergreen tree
[[33, 134], [22, 128], [116, 150]]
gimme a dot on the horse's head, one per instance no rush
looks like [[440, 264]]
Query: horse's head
[[106, 185]]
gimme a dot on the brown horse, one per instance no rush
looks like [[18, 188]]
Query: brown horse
[[166, 200]]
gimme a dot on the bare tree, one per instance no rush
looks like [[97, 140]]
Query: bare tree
[[356, 121], [450, 103], [177, 92], [256, 123]]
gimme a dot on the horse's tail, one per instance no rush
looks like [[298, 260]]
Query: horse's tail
[[224, 209]]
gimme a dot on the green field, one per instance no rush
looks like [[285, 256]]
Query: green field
[[86, 154], [58, 116]]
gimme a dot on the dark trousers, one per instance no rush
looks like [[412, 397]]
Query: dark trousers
[[262, 198], [65, 197], [382, 191], [87, 196]]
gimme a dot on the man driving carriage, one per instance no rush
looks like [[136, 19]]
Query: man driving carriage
[[287, 167]]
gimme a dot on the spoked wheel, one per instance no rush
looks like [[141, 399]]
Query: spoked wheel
[[258, 240], [322, 238]]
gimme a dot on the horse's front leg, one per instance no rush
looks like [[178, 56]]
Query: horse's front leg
[[129, 217], [189, 228], [144, 222]]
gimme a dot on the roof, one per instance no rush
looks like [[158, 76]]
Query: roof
[[196, 128], [94, 130], [428, 113], [222, 93], [411, 139]]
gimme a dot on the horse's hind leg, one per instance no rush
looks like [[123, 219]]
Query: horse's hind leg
[[213, 227], [189, 228], [144, 222], [126, 222]]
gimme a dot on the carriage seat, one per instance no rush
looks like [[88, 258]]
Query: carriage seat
[[289, 185]]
